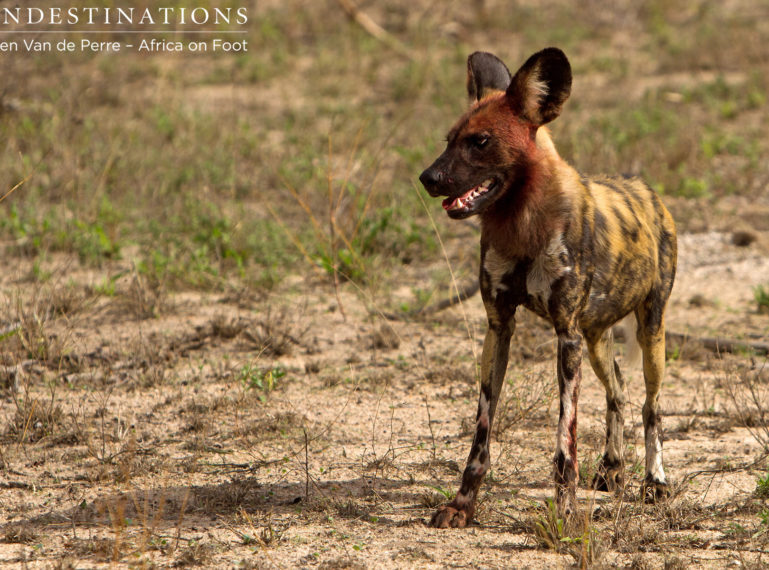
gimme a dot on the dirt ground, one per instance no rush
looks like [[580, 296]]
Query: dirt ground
[[153, 419], [174, 440]]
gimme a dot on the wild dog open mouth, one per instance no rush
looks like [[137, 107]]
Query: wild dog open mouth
[[466, 199]]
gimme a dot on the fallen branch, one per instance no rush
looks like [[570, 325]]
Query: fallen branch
[[714, 344], [720, 344], [721, 470], [16, 485], [463, 294]]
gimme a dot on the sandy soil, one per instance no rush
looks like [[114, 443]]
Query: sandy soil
[[292, 431]]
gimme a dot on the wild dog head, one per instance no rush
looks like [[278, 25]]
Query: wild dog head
[[491, 149]]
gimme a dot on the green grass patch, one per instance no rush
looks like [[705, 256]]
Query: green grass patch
[[221, 170]]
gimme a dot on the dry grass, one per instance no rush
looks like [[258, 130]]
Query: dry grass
[[194, 367]]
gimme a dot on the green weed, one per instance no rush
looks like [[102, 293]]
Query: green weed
[[761, 295], [447, 493], [575, 536], [260, 380], [762, 486]]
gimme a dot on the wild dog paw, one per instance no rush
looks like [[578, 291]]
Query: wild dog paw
[[608, 479], [566, 502], [654, 491], [452, 516]]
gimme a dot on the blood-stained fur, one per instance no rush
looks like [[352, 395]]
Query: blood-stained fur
[[581, 252]]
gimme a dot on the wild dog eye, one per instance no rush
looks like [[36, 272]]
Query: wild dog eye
[[479, 141]]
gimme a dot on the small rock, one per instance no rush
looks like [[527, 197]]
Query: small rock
[[385, 338], [743, 238], [699, 300]]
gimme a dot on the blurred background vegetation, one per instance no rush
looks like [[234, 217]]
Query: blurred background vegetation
[[300, 157]]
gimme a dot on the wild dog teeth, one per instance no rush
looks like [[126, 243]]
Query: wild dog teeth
[[467, 198]]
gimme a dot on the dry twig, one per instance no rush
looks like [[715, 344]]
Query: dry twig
[[371, 27]]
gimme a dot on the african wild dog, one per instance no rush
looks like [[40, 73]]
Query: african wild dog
[[581, 252]]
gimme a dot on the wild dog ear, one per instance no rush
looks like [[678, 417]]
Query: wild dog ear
[[542, 85], [486, 73]]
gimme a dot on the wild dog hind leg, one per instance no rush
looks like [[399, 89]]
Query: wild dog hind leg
[[651, 336], [610, 473]]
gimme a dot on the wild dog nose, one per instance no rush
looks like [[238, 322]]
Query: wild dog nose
[[430, 179]]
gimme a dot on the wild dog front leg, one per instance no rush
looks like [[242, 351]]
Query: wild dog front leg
[[565, 460], [496, 349]]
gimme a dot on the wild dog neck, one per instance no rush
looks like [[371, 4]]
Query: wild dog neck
[[526, 218]]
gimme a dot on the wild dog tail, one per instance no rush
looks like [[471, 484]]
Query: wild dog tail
[[633, 352]]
